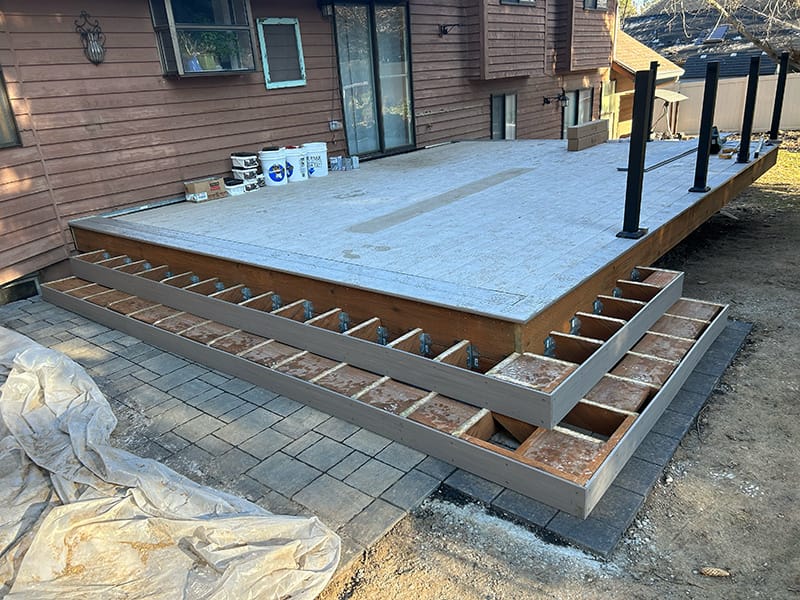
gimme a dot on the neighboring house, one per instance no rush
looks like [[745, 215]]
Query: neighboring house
[[631, 56], [184, 83], [731, 64]]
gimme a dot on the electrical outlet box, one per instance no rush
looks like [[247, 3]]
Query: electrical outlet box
[[335, 125]]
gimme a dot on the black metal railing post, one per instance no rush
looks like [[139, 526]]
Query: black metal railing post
[[780, 91], [706, 124], [642, 95], [749, 110], [651, 108]]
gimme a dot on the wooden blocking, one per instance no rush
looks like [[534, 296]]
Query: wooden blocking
[[443, 413], [532, 370], [159, 273], [114, 261], [87, 291], [662, 346], [457, 355], [305, 366], [271, 353], [679, 326], [131, 305], [132, 267], [620, 308], [519, 430], [392, 396], [367, 330], [94, 256], [106, 298], [586, 135], [620, 394], [205, 287], [179, 322], [348, 380], [238, 342], [154, 314], [181, 280], [207, 332], [598, 327], [563, 452], [296, 310], [67, 284], [633, 290], [646, 369], [657, 277], [233, 294], [328, 320], [694, 309], [597, 421], [574, 348], [408, 342], [263, 302]]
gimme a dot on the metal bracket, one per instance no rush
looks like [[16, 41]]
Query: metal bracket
[[276, 302], [106, 256], [473, 356], [575, 326], [597, 307], [246, 293], [383, 336], [425, 343], [550, 346], [168, 274], [127, 260], [147, 266], [344, 322], [617, 292], [194, 279], [308, 310], [636, 275], [219, 286]]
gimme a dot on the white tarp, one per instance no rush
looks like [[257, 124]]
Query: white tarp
[[82, 519]]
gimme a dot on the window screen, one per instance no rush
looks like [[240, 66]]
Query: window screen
[[8, 127], [281, 52]]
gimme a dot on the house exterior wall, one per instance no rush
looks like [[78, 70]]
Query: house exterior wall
[[101, 138]]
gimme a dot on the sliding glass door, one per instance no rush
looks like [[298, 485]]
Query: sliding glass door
[[375, 70]]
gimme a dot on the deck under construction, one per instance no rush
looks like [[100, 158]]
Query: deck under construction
[[471, 301]]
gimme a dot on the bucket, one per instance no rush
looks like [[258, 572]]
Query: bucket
[[316, 158], [296, 164], [246, 174], [251, 185], [244, 160], [260, 180], [273, 164], [234, 186]]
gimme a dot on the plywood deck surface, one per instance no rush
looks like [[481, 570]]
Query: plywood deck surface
[[497, 228]]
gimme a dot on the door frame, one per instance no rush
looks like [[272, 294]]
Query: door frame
[[376, 76]]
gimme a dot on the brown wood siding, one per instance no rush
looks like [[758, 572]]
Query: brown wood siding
[[559, 35], [514, 40], [592, 37], [122, 134]]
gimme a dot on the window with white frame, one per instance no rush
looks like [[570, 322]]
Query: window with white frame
[[595, 4], [281, 52], [8, 126], [578, 109], [504, 116], [203, 37]]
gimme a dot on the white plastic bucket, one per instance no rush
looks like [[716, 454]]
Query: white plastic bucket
[[273, 164], [244, 160], [246, 174], [235, 186], [296, 164], [316, 158]]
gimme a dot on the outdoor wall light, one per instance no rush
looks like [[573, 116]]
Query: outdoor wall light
[[92, 37], [445, 29], [562, 99]]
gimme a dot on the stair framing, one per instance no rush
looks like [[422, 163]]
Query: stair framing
[[596, 436], [514, 398]]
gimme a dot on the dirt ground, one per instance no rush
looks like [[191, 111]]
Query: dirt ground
[[728, 499]]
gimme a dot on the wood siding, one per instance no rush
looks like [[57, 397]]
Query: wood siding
[[99, 138], [592, 37], [513, 40]]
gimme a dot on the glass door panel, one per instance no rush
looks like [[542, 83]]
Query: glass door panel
[[394, 75], [354, 45]]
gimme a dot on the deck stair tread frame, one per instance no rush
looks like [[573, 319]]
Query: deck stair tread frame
[[533, 394], [567, 464]]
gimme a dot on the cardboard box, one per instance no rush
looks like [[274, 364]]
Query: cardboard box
[[201, 190]]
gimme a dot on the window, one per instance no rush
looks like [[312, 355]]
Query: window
[[281, 52], [203, 37], [595, 4], [504, 116], [578, 109], [521, 2], [8, 127]]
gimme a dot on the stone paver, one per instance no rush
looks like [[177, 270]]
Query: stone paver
[[333, 501], [324, 454], [284, 474], [248, 425]]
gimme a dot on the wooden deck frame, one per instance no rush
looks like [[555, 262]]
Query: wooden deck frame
[[561, 493], [536, 407]]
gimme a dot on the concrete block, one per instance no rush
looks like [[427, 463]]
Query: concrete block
[[301, 421], [618, 507], [265, 444], [247, 426], [411, 489], [215, 378], [673, 424], [473, 487], [400, 456], [177, 377], [688, 403], [371, 524], [236, 386], [349, 464], [656, 448], [231, 465], [522, 509], [598, 537], [239, 411], [189, 390], [332, 501], [700, 383], [373, 477], [337, 429], [324, 454], [213, 445], [199, 427], [283, 406], [259, 396], [163, 363], [172, 442], [284, 474], [639, 476], [304, 441], [221, 404], [367, 442], [192, 462], [436, 468]]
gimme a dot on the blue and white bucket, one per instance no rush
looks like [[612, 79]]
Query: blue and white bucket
[[273, 164], [296, 164], [316, 158]]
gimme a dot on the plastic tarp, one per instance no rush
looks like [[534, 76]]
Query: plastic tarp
[[80, 518]]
